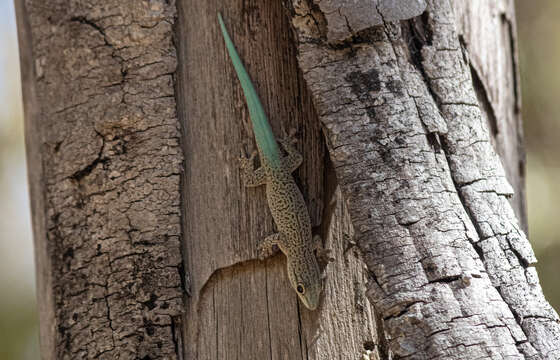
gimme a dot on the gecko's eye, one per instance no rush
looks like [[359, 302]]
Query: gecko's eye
[[300, 289]]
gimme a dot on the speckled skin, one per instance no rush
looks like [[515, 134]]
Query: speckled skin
[[294, 237], [284, 198]]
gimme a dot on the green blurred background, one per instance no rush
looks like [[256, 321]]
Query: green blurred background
[[539, 41], [18, 316], [539, 54]]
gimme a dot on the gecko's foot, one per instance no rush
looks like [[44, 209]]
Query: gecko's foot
[[291, 133], [288, 139], [246, 165], [247, 162], [269, 246], [264, 252], [251, 177], [324, 255]]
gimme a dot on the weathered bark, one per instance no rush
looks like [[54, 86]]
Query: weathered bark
[[452, 274], [415, 205], [104, 164]]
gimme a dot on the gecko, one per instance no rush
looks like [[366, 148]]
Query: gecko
[[285, 200]]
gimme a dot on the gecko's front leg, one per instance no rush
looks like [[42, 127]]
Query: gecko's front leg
[[293, 159], [250, 176], [269, 246]]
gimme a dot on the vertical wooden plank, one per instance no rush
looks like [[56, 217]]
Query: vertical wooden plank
[[248, 303], [247, 306]]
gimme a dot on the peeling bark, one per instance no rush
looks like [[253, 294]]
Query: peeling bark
[[346, 18]]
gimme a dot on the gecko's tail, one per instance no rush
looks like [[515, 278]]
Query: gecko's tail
[[261, 127]]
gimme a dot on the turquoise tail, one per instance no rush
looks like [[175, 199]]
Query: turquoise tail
[[263, 133]]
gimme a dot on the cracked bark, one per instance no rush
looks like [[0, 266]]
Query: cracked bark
[[409, 191], [104, 170], [415, 113]]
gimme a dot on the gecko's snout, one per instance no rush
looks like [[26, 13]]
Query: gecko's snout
[[309, 295], [305, 279]]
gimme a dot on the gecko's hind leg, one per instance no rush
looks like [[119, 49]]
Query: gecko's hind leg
[[269, 246], [249, 175], [322, 254], [294, 159]]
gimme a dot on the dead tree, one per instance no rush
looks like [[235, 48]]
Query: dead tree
[[408, 116]]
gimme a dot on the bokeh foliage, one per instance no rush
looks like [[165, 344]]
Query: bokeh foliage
[[539, 53]]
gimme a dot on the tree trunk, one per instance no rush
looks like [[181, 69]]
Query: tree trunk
[[146, 239], [407, 114], [102, 141]]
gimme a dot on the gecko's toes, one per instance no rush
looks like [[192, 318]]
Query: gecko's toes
[[324, 255], [266, 252], [244, 160]]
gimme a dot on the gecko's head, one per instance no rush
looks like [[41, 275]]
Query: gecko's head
[[305, 279]]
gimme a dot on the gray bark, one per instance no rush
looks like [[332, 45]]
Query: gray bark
[[451, 271], [146, 240]]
